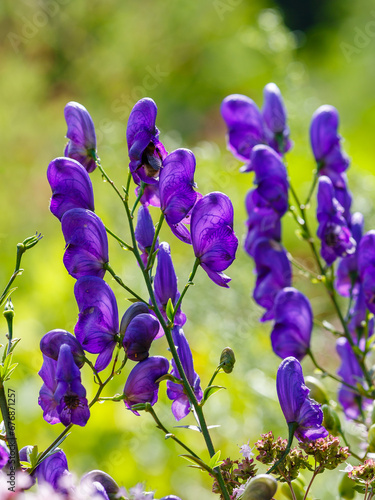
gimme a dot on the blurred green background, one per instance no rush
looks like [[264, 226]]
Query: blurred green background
[[187, 55]]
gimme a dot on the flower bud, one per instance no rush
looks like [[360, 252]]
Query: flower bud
[[227, 360], [8, 310], [346, 487], [371, 439], [261, 487], [331, 420], [317, 390]]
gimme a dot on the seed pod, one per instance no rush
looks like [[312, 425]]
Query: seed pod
[[317, 390], [261, 487], [227, 360]]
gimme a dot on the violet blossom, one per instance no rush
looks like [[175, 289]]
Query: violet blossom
[[292, 329], [46, 398], [71, 186], [176, 187], [275, 119], [53, 470], [145, 232], [165, 284], [101, 483], [213, 239], [81, 135], [333, 231], [98, 321], [141, 385], [86, 240], [181, 404], [366, 268], [273, 272], [295, 403], [51, 342], [139, 335], [4, 454]]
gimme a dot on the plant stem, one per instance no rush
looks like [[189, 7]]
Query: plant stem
[[292, 426], [348, 445], [121, 283], [218, 368], [152, 249], [9, 429], [122, 243], [159, 425], [189, 282]]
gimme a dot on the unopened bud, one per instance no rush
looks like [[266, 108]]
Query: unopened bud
[[346, 487], [371, 439], [261, 487], [227, 360], [8, 310], [331, 420], [317, 390]]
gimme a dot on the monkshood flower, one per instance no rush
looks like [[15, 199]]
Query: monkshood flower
[[245, 126], [81, 132], [145, 232], [141, 385], [176, 187], [53, 470], [212, 235], [263, 221], [366, 268], [98, 322], [139, 335], [275, 117], [271, 178], [4, 454], [100, 482], [351, 373], [46, 398], [86, 240], [52, 341], [70, 394], [146, 152], [347, 276], [71, 186], [358, 317], [333, 231], [295, 403], [165, 284], [331, 160], [181, 404], [291, 332], [273, 272]]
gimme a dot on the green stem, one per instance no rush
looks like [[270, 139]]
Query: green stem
[[9, 429], [121, 283], [218, 368], [159, 425], [51, 447], [153, 245], [292, 427], [107, 178], [341, 432], [140, 194], [186, 288], [312, 188], [122, 243]]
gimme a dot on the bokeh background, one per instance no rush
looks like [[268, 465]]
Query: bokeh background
[[187, 55]]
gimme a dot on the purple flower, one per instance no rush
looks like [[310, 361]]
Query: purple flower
[[139, 335], [295, 403], [271, 178], [347, 277], [100, 482], [4, 454], [245, 126], [273, 274], [351, 373], [325, 141], [165, 284], [70, 395], [176, 186], [71, 186], [146, 152], [292, 329], [52, 470], [275, 116], [81, 132], [141, 385], [366, 268], [46, 398], [358, 317], [98, 322], [263, 221], [52, 341], [181, 404], [333, 231], [86, 240], [212, 235], [145, 232]]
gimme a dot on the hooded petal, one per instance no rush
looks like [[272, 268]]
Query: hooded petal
[[51, 342], [71, 186], [145, 230], [139, 335], [86, 243], [53, 468]]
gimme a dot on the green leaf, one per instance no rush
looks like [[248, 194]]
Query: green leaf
[[197, 461], [214, 460], [169, 311], [33, 455], [210, 390], [359, 488], [55, 449], [13, 344], [25, 465], [191, 427]]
